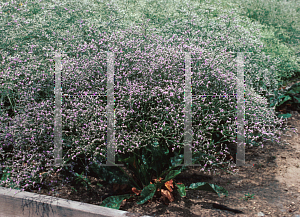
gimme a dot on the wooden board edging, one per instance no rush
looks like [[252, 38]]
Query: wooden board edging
[[17, 203]]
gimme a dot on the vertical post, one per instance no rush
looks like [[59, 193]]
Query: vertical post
[[188, 133], [110, 109], [110, 112], [240, 155], [57, 113]]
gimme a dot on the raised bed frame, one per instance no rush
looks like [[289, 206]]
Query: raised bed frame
[[17, 203]]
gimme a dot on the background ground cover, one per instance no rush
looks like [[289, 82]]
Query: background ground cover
[[9, 46]]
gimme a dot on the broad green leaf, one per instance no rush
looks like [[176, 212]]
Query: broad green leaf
[[172, 174], [286, 98], [294, 89], [297, 98], [288, 115], [147, 193], [181, 190], [208, 187], [110, 174], [114, 202]]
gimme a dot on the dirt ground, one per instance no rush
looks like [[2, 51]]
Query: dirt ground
[[274, 181]]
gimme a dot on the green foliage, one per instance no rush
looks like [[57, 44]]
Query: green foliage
[[248, 196], [281, 30], [6, 175], [83, 180], [289, 95], [8, 98], [287, 62], [154, 160]]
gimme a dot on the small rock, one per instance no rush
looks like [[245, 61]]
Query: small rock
[[260, 214]]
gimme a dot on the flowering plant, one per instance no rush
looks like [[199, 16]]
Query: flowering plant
[[159, 115], [153, 174]]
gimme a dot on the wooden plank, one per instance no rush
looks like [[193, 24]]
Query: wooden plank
[[29, 204]]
